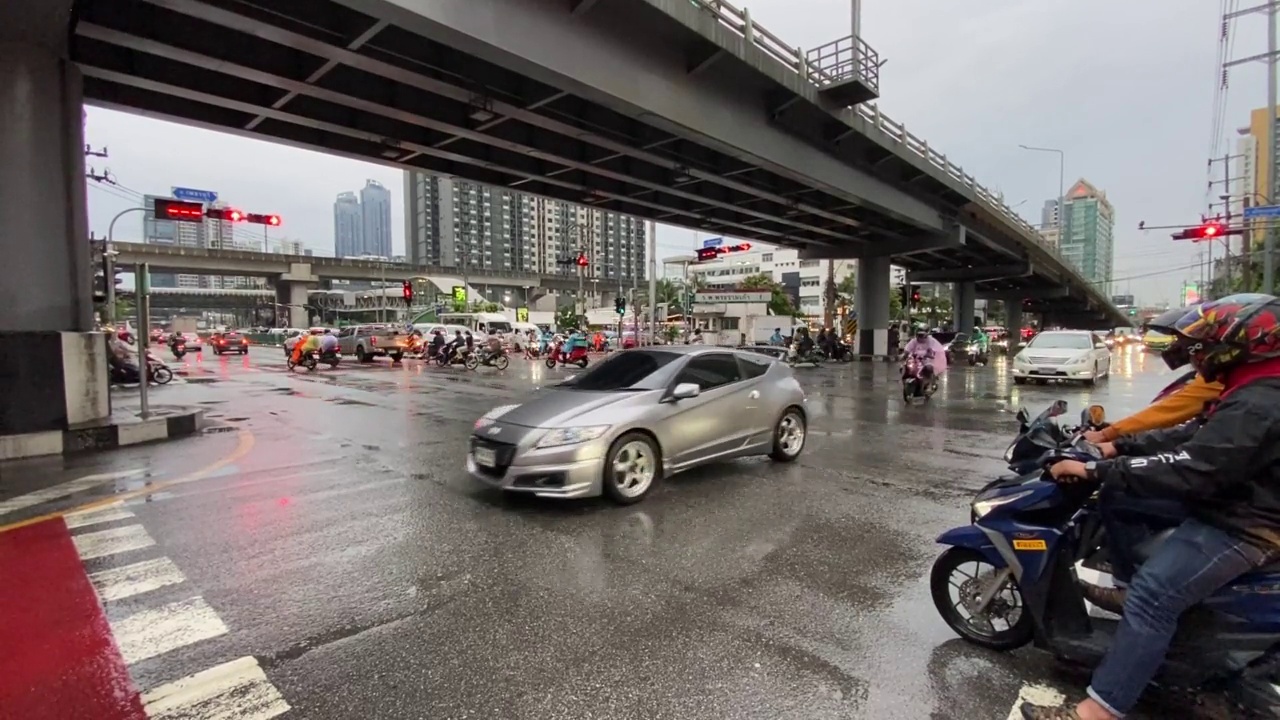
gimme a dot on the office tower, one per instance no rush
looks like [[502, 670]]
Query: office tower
[[348, 226], [1087, 238], [375, 219]]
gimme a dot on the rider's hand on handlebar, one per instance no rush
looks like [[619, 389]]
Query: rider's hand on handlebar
[[1066, 471], [1096, 437], [1107, 449]]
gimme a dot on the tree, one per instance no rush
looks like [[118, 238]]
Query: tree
[[566, 317], [779, 302]]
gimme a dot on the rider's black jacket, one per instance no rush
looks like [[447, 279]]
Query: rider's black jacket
[[1225, 465]]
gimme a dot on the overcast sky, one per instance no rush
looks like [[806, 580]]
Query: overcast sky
[[1125, 88]]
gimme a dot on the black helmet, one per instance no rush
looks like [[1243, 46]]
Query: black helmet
[[1177, 354]]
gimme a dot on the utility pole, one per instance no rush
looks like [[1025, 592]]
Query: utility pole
[[1226, 199], [653, 280], [1270, 57]]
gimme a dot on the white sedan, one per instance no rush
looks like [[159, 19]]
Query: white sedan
[[1076, 355]]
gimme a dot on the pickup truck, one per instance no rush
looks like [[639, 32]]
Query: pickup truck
[[369, 341]]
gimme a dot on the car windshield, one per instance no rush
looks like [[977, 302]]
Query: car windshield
[[631, 370], [1060, 341], [499, 327]]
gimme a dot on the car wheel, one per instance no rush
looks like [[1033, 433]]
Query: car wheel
[[1019, 381], [1093, 380], [361, 355], [630, 468], [397, 357], [789, 436]]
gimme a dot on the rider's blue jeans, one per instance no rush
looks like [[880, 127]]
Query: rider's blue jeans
[[1190, 566], [1129, 520]]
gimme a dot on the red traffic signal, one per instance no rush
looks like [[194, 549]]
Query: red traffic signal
[[711, 253], [178, 210], [272, 220], [1207, 231], [915, 297], [582, 260], [407, 290]]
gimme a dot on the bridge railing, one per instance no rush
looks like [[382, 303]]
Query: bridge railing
[[739, 20]]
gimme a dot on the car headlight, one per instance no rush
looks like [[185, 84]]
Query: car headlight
[[1020, 359], [1078, 360], [982, 507], [490, 417], [571, 435]]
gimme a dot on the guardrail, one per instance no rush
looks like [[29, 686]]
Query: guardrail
[[739, 21]]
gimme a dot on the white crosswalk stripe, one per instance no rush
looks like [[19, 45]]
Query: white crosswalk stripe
[[234, 690], [64, 490]]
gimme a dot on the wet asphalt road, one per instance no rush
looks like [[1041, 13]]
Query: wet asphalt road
[[329, 524]]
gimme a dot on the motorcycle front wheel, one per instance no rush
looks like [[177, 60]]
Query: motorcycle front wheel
[[1007, 608], [908, 390], [551, 362], [472, 362]]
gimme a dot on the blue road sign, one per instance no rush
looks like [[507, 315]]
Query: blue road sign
[[713, 242], [1264, 211], [193, 195]]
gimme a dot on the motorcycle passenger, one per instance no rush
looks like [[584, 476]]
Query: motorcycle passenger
[[927, 346], [470, 342], [306, 343], [1224, 467], [1173, 409]]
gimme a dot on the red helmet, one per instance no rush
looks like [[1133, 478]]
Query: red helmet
[[1235, 330]]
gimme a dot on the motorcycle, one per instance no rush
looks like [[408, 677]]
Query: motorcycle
[[330, 357], [309, 360], [462, 356], [1026, 536], [126, 373], [178, 349], [977, 356], [490, 358], [914, 382], [577, 356], [813, 357]]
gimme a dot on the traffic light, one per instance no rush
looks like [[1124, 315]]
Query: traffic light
[[711, 253], [178, 210], [1207, 231], [582, 260], [228, 214], [99, 283], [620, 304], [272, 220], [905, 292], [407, 290], [915, 298]]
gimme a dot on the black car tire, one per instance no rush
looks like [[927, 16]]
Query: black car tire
[[607, 482], [1019, 381], [778, 453], [397, 357], [361, 355]]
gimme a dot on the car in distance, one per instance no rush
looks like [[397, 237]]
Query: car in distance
[[229, 342], [646, 414], [1076, 355]]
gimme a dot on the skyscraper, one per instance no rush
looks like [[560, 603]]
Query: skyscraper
[[1087, 237], [375, 213], [454, 223], [348, 226]]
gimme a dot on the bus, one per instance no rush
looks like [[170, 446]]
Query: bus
[[481, 323]]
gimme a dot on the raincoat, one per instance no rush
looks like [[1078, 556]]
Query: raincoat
[[929, 345]]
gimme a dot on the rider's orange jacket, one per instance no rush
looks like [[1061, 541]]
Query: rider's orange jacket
[[1170, 411]]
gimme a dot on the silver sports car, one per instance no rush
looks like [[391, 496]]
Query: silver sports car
[[640, 416]]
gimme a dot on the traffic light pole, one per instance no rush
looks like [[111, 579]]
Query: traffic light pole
[[143, 338], [109, 265]]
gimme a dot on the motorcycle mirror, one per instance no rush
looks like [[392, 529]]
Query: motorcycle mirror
[[1097, 414], [1059, 407], [1023, 416]]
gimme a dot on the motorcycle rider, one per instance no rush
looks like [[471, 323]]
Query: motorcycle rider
[[982, 340], [803, 342], [328, 343], [437, 343], [1223, 466], [452, 348], [927, 346], [306, 343], [776, 338]]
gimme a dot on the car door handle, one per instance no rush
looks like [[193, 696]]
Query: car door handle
[[754, 395]]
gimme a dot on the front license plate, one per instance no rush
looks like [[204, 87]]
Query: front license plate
[[486, 457]]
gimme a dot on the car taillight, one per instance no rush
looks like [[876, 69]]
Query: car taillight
[[244, 341], [373, 341]]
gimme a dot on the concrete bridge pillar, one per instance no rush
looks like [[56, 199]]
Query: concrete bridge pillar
[[1013, 323], [292, 291], [53, 368], [872, 304], [962, 299]]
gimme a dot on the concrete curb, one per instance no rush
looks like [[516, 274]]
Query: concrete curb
[[169, 423]]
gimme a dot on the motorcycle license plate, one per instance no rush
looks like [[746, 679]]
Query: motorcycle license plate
[[485, 456]]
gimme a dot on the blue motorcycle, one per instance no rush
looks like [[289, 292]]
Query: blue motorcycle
[[1009, 578]]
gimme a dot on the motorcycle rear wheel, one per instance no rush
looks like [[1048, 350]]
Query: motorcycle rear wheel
[[161, 375], [472, 362], [501, 362], [551, 362], [1019, 632]]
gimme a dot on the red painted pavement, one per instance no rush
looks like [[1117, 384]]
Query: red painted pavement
[[57, 657]]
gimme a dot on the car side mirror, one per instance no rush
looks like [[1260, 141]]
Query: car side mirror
[[1100, 346], [684, 391]]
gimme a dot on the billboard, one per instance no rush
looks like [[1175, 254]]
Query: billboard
[[1122, 300]]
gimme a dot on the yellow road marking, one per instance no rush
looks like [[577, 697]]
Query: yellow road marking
[[243, 446]]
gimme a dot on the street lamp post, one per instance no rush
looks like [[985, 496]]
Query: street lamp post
[[1062, 187], [109, 264]]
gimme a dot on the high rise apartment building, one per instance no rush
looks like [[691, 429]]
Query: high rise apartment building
[[455, 224], [348, 226]]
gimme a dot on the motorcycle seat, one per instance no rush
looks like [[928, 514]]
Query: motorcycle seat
[[1146, 549]]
